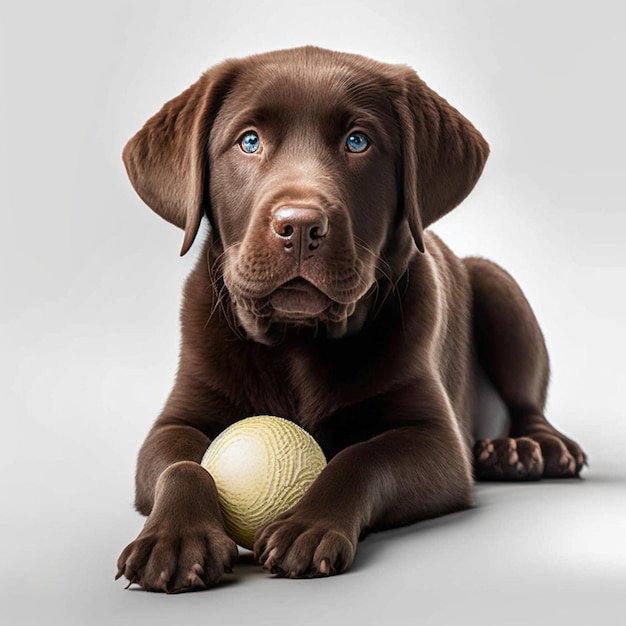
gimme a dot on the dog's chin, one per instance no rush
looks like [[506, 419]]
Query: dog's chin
[[294, 304], [298, 301]]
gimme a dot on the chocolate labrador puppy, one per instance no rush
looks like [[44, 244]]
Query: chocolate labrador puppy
[[320, 297]]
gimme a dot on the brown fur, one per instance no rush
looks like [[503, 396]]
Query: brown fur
[[319, 296]]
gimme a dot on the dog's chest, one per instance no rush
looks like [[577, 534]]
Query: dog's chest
[[307, 382], [293, 384], [258, 380]]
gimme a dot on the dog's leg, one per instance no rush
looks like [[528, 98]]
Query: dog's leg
[[401, 476], [183, 544], [512, 352]]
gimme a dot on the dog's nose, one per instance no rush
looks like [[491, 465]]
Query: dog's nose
[[300, 229]]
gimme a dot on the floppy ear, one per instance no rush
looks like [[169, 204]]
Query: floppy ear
[[166, 160], [443, 154]]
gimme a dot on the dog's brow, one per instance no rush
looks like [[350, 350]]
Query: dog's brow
[[349, 118], [341, 118], [244, 119]]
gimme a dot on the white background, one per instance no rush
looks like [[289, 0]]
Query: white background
[[90, 281]]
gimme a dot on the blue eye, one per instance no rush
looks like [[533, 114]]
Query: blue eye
[[357, 142], [250, 142]]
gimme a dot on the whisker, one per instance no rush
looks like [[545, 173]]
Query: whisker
[[381, 264], [216, 278], [387, 273]]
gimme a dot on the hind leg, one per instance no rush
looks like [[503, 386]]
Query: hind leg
[[511, 350]]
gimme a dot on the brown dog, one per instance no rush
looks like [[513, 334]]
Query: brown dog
[[319, 297]]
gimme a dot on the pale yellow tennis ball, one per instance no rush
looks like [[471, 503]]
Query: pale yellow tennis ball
[[261, 466]]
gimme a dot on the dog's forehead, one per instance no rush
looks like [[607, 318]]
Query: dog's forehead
[[312, 81]]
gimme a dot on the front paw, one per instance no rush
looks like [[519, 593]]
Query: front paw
[[296, 545], [173, 559]]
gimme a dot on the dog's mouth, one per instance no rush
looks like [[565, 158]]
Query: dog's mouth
[[299, 299], [297, 302]]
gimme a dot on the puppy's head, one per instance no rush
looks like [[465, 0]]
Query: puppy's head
[[318, 172]]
